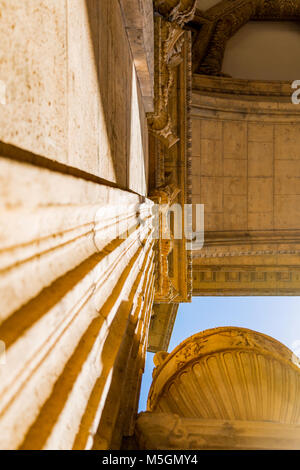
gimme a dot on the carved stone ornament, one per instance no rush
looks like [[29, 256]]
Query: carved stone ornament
[[169, 41], [168, 44], [164, 198], [180, 11], [220, 23], [224, 388], [228, 373], [168, 431]]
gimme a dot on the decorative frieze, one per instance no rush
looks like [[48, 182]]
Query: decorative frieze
[[170, 153], [161, 431], [248, 279]]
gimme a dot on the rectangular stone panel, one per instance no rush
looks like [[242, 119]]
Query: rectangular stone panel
[[211, 129], [196, 183], [287, 212], [212, 194], [211, 157], [260, 132], [213, 222], [260, 220], [196, 166], [287, 177], [235, 186], [235, 212], [287, 141], [235, 167], [260, 194], [196, 136], [235, 139], [260, 159]]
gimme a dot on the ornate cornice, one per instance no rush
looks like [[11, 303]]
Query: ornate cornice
[[170, 144], [169, 40], [224, 29], [217, 25]]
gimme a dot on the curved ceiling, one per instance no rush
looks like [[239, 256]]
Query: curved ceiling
[[264, 51], [204, 5], [221, 28]]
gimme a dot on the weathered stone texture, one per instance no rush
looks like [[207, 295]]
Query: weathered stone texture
[[76, 257], [71, 89], [73, 288], [246, 173]]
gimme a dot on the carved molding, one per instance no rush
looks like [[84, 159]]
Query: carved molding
[[228, 373], [216, 280], [169, 41], [229, 87], [164, 198], [168, 47], [179, 11], [224, 29], [170, 153], [225, 20], [161, 431]]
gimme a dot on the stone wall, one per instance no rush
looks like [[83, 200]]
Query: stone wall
[[246, 163], [72, 93], [76, 252]]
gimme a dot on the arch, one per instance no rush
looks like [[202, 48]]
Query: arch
[[227, 18]]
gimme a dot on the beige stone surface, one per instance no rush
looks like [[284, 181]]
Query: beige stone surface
[[246, 173], [161, 326], [246, 134], [163, 431], [76, 258], [138, 20], [72, 94], [69, 284], [34, 69]]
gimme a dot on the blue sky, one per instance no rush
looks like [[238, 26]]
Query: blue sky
[[278, 317]]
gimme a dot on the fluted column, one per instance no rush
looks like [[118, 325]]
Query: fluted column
[[76, 288]]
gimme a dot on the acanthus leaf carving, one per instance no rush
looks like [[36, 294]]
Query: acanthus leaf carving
[[164, 197], [169, 39], [179, 11]]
